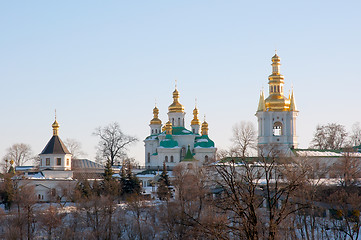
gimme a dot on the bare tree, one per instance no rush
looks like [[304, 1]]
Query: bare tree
[[113, 142], [74, 147], [20, 153], [247, 186], [347, 169], [355, 136], [50, 220], [332, 136], [244, 138]]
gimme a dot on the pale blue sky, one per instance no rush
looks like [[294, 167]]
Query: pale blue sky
[[102, 61]]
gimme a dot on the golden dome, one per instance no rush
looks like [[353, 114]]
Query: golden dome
[[55, 126], [276, 58], [168, 128], [176, 106], [204, 128], [276, 100], [195, 120], [277, 103], [155, 120]]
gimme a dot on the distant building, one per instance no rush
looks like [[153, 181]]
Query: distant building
[[57, 171], [276, 114], [169, 143]]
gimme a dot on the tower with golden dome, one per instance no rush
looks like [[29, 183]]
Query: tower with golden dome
[[169, 143], [55, 159], [276, 114]]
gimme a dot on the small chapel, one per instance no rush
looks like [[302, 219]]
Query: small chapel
[[172, 143]]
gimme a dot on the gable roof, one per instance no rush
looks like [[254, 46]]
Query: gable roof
[[55, 146]]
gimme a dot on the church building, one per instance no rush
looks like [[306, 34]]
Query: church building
[[172, 143], [276, 115]]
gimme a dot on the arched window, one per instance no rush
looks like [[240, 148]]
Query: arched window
[[173, 121], [156, 131], [206, 158], [149, 157], [277, 129], [171, 159], [152, 131], [166, 159], [179, 122], [183, 153], [278, 88]]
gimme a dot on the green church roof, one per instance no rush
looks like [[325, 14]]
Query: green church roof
[[189, 156], [168, 142], [181, 131], [203, 142]]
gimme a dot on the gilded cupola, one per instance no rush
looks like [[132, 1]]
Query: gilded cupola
[[195, 120], [155, 120], [276, 100], [204, 128], [168, 128], [176, 106], [55, 126]]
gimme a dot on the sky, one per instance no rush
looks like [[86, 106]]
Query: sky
[[98, 62]]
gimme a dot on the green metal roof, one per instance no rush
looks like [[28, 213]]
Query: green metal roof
[[189, 156], [203, 141], [152, 137], [181, 131], [168, 142]]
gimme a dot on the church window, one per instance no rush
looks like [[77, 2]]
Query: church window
[[277, 129], [194, 131], [149, 157], [67, 162], [58, 161], [156, 131], [270, 88], [206, 158], [278, 88], [166, 158], [48, 162], [39, 196], [179, 122], [171, 159], [152, 131], [173, 121], [183, 153]]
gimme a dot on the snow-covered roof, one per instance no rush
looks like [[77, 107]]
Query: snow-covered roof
[[323, 153]]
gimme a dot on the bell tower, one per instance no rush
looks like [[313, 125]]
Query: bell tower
[[276, 115]]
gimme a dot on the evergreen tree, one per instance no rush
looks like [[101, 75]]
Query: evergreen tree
[[84, 188], [108, 171], [109, 184], [163, 190], [129, 183]]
